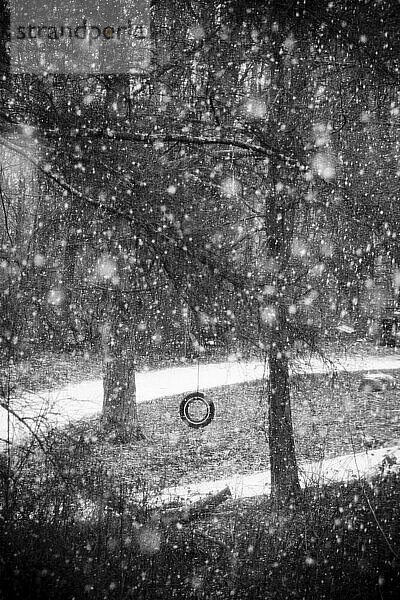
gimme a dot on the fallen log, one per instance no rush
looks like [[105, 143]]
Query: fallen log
[[198, 510]]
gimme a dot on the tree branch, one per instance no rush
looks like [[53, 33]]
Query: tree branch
[[150, 138], [213, 263]]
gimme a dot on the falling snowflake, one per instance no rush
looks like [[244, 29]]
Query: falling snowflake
[[55, 297], [106, 267], [149, 540], [39, 260], [324, 165], [256, 108], [268, 315], [231, 187]]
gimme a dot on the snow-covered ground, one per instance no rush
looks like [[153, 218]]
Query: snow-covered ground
[[357, 466], [76, 401], [84, 399], [361, 465]]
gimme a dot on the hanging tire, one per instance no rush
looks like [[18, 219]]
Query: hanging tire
[[196, 410]]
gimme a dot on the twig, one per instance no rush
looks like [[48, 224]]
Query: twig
[[33, 433], [373, 513], [4, 210]]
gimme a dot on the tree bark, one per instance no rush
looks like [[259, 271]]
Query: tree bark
[[119, 404], [67, 281], [285, 483], [4, 36]]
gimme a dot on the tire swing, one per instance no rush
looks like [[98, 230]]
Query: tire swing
[[195, 409]]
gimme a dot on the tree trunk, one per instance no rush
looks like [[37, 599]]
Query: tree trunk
[[119, 403], [284, 473], [4, 55], [67, 281]]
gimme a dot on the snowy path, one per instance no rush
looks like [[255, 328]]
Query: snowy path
[[81, 400], [341, 468]]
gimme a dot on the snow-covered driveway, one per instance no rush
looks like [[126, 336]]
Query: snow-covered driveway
[[76, 401]]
